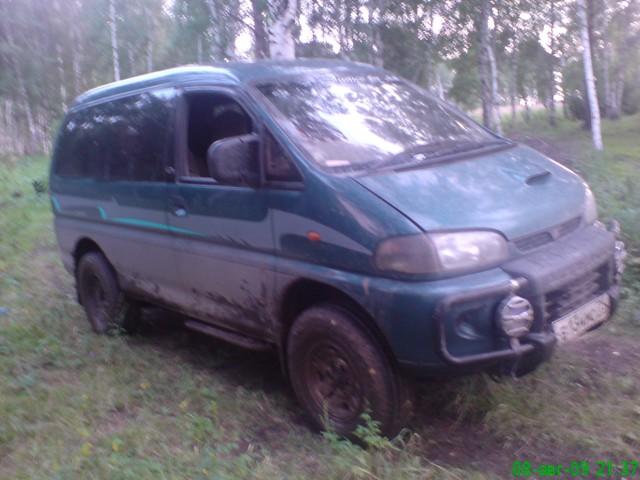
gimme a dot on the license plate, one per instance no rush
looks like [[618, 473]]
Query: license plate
[[582, 319]]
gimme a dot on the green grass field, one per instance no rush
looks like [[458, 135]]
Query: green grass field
[[170, 404]]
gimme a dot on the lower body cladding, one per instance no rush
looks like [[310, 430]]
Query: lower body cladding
[[512, 325]]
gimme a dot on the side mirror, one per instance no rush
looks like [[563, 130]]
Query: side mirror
[[234, 160]]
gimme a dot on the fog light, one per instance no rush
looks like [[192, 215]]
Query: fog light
[[515, 316]]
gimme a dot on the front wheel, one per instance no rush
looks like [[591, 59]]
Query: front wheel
[[107, 308], [339, 371]]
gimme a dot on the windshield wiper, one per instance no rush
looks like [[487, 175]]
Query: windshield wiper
[[429, 153]]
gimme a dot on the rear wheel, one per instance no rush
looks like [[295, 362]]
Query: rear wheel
[[339, 371], [107, 308]]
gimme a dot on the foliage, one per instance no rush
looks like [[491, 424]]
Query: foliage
[[51, 51]]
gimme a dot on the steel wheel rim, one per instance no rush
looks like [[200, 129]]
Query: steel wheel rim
[[333, 383]]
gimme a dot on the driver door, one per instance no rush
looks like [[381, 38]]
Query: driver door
[[222, 233]]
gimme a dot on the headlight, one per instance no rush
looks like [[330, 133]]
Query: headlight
[[441, 252], [590, 207]]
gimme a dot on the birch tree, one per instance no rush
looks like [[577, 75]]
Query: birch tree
[[376, 19], [149, 38], [589, 78], [488, 71], [260, 38], [113, 28], [282, 14], [216, 50], [552, 62]]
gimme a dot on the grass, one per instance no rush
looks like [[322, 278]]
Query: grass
[[169, 404]]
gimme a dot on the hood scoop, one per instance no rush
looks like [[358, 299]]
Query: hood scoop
[[538, 178]]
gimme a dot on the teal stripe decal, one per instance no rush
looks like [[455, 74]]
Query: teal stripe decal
[[160, 226], [131, 221], [56, 203]]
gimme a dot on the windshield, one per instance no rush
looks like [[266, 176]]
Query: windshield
[[354, 122]]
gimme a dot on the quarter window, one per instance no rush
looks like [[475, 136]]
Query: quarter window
[[125, 139], [77, 152], [279, 166]]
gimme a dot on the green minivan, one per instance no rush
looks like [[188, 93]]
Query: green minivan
[[367, 232]]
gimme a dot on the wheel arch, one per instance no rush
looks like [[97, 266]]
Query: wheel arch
[[83, 246], [304, 293]]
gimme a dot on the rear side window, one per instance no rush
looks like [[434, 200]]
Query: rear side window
[[125, 139], [78, 153]]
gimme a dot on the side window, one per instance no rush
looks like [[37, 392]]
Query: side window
[[278, 165], [77, 151], [125, 139], [136, 133], [211, 117]]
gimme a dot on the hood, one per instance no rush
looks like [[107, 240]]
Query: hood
[[516, 191]]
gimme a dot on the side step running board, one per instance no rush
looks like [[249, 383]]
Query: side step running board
[[228, 336]]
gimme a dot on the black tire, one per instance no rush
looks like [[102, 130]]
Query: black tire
[[339, 371], [107, 308]]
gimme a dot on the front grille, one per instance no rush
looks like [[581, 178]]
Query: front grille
[[536, 240], [563, 300], [568, 227], [533, 241]]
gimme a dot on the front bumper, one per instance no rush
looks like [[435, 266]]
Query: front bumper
[[556, 280], [516, 350]]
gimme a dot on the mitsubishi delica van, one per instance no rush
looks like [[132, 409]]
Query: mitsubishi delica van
[[367, 232]]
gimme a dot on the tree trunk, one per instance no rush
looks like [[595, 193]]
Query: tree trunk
[[260, 38], [606, 77], [114, 40], [63, 87], [76, 51], [513, 86], [494, 90], [60, 64], [215, 52], [565, 106], [552, 65], [439, 86], [375, 26], [617, 94], [527, 109], [132, 62], [199, 48], [589, 77], [378, 47], [281, 42], [149, 56], [150, 29], [488, 72]]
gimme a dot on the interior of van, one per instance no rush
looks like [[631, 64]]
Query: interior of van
[[211, 117]]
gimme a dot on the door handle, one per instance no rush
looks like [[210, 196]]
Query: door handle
[[179, 212], [177, 207]]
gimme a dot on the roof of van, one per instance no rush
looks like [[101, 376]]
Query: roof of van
[[231, 73]]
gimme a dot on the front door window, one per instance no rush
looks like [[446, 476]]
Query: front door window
[[211, 117]]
